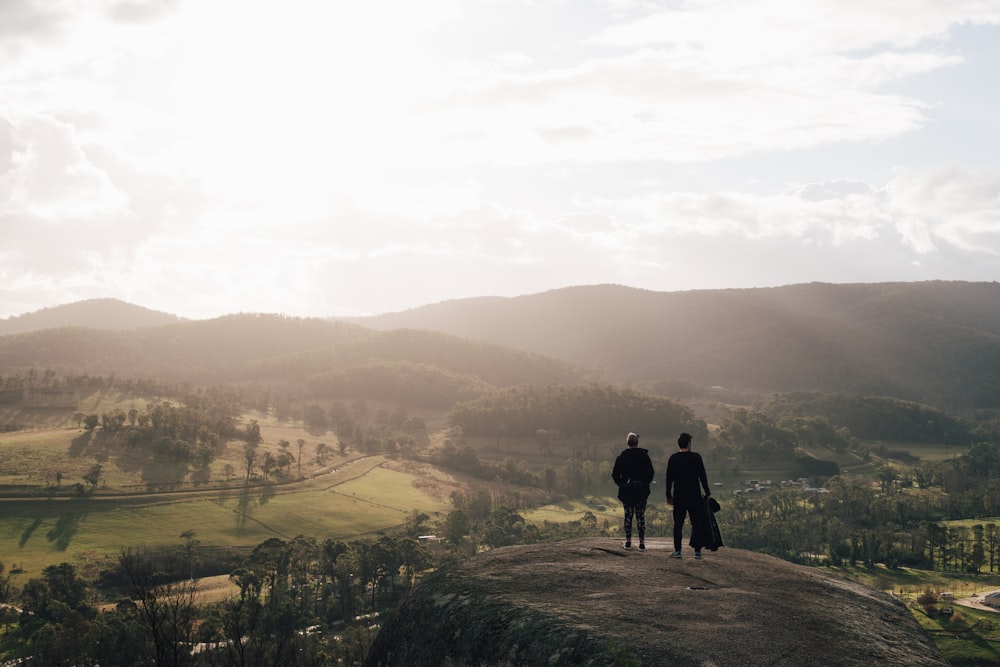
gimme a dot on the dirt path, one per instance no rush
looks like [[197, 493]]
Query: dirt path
[[977, 602]]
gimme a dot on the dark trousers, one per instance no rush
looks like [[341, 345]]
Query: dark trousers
[[682, 509], [639, 511]]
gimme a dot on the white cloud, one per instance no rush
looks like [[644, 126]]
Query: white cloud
[[359, 157], [48, 175], [922, 210], [948, 205]]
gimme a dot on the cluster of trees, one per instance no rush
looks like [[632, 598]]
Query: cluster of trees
[[874, 417], [401, 382], [479, 522], [492, 364], [881, 520], [13, 386], [576, 476], [293, 358], [749, 436], [577, 411], [192, 430], [164, 436], [297, 604], [352, 422], [33, 389]]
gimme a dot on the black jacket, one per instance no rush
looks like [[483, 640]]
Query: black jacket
[[633, 473], [686, 477]]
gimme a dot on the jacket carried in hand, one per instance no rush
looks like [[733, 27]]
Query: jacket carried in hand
[[633, 473]]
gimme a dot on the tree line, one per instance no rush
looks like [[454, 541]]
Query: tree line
[[298, 602], [575, 411]]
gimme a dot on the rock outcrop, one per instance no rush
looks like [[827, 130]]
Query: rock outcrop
[[590, 602]]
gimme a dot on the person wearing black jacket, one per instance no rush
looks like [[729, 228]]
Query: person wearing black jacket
[[685, 478], [633, 473]]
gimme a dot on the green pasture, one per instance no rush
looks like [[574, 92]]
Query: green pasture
[[573, 510], [32, 461], [37, 533], [967, 636], [905, 581], [925, 452], [32, 458], [969, 523]]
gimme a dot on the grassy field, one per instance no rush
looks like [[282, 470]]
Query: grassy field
[[32, 460], [572, 510], [361, 498], [926, 452], [965, 635]]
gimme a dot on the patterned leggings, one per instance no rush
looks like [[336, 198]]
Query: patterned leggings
[[639, 511]]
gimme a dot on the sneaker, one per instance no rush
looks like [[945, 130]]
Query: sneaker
[[697, 553], [628, 544], [642, 546], [676, 554]]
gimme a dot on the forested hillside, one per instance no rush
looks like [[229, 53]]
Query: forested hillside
[[936, 343], [933, 342], [301, 356]]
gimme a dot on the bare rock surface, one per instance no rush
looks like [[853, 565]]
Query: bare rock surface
[[590, 602]]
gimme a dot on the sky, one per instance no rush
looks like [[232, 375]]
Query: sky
[[208, 157]]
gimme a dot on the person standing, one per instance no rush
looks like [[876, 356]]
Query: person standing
[[685, 478], [633, 473]]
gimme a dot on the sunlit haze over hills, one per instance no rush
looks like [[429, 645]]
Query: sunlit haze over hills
[[344, 159]]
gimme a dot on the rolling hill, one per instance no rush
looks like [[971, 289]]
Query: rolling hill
[[934, 342], [269, 349], [103, 314]]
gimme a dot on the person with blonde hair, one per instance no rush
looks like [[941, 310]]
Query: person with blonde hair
[[633, 473]]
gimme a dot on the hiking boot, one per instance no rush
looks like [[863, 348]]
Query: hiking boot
[[697, 553], [676, 554]]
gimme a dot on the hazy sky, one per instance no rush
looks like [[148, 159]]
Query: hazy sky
[[204, 157]]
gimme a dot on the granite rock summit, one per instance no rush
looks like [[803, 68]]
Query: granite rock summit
[[588, 601]]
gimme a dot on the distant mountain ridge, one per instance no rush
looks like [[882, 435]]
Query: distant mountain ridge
[[936, 342], [248, 349], [103, 314]]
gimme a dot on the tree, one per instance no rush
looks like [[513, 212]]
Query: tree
[[253, 436], [249, 459], [301, 443], [93, 476], [315, 419], [56, 596], [456, 527], [191, 543], [504, 527], [165, 603], [267, 465], [886, 475], [6, 586]]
